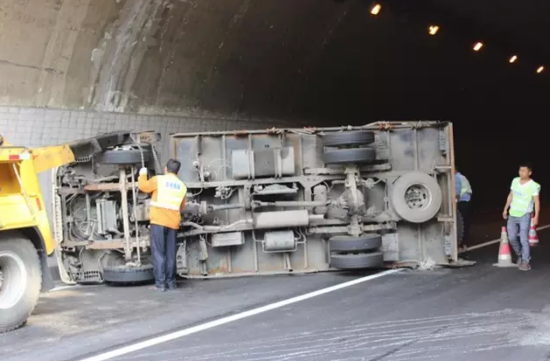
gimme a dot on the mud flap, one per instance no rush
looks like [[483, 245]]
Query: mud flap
[[47, 280], [63, 274]]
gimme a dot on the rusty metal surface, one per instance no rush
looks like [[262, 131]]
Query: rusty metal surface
[[254, 186], [401, 147]]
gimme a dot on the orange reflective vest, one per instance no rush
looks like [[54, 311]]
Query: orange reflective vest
[[170, 192], [167, 201]]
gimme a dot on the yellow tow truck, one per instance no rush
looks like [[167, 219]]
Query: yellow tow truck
[[25, 236]]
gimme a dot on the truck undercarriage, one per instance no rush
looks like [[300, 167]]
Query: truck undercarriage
[[268, 202]]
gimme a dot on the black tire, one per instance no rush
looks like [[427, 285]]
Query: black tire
[[416, 207], [108, 259], [123, 275], [459, 228], [123, 157], [18, 295], [357, 261], [354, 155], [365, 242], [348, 138], [112, 259]]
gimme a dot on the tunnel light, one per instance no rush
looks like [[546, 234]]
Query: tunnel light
[[513, 59], [540, 69], [433, 29], [478, 46], [376, 9]]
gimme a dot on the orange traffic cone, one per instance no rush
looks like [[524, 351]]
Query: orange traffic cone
[[533, 237], [504, 254]]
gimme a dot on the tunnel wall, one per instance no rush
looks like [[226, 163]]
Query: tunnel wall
[[320, 60], [225, 57], [44, 126]]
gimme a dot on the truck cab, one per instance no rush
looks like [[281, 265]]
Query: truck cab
[[26, 239]]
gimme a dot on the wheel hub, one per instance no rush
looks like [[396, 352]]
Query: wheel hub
[[13, 279], [417, 196]]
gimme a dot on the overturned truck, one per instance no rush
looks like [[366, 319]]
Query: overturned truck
[[269, 202]]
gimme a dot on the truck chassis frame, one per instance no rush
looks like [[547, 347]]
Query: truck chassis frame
[[282, 201]]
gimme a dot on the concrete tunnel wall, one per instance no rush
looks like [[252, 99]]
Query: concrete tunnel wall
[[310, 61], [224, 57]]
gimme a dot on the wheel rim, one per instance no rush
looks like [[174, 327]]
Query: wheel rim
[[13, 279], [418, 196]]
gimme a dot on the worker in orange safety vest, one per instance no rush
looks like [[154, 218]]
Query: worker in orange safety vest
[[168, 200]]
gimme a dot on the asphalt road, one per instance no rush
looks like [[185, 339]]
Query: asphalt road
[[478, 313]]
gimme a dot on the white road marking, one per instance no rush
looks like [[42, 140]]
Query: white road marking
[[489, 243], [225, 320]]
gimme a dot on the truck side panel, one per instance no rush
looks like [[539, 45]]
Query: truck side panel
[[215, 165], [21, 202]]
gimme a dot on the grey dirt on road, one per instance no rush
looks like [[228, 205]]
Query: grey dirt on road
[[479, 313]]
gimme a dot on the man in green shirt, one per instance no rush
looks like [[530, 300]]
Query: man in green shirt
[[522, 201]]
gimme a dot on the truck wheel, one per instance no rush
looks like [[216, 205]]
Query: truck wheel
[[20, 281], [125, 156], [366, 242], [353, 155], [348, 138], [416, 197], [125, 275], [357, 261]]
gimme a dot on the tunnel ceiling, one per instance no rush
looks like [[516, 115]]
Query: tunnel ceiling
[[316, 60]]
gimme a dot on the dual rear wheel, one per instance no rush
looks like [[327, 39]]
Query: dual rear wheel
[[349, 147], [349, 252], [364, 251], [415, 197]]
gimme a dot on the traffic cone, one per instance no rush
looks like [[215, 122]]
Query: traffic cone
[[504, 254], [533, 237]]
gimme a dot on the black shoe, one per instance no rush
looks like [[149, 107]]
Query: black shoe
[[172, 288]]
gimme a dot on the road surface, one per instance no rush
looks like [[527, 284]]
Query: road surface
[[478, 313]]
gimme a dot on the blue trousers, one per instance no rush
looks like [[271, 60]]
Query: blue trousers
[[163, 251], [520, 225]]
